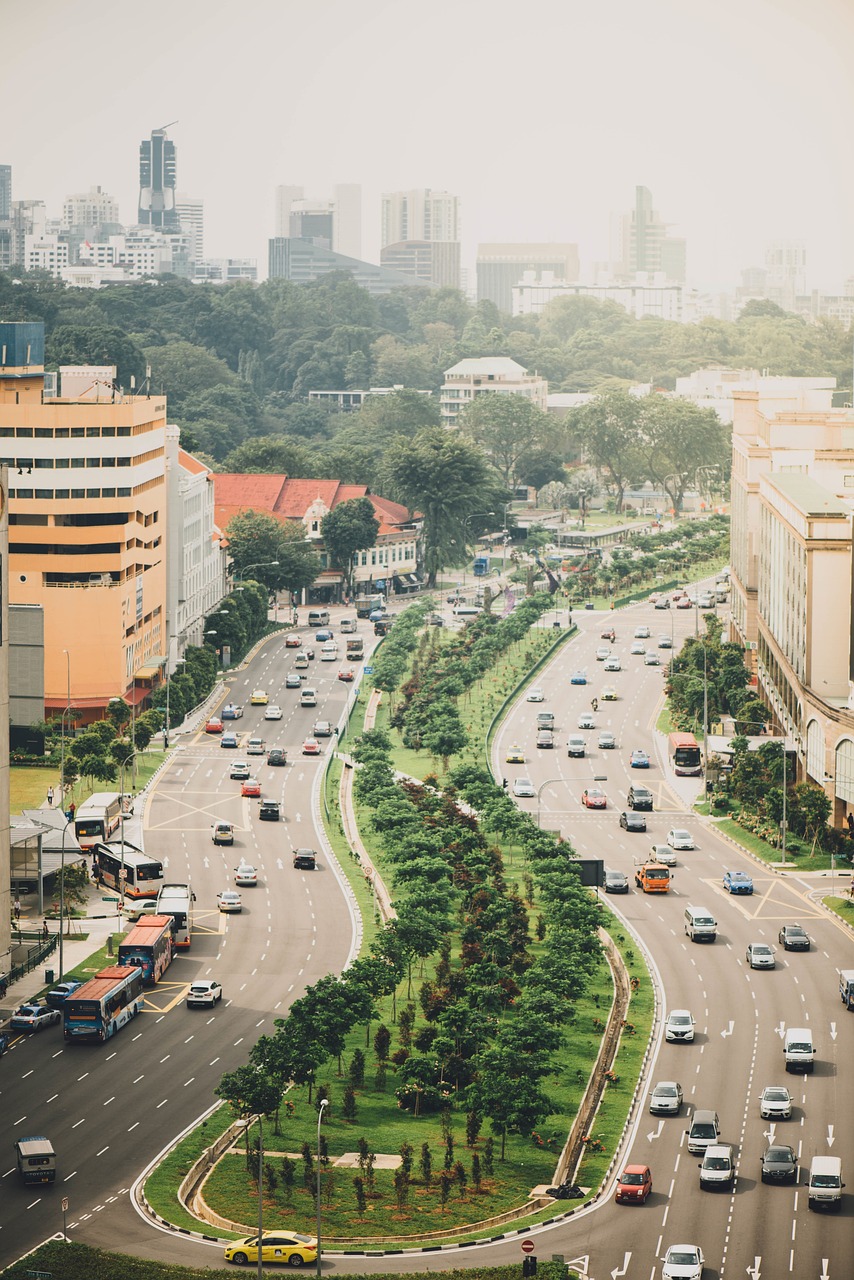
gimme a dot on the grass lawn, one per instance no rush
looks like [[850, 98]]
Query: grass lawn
[[842, 907], [28, 784], [798, 852]]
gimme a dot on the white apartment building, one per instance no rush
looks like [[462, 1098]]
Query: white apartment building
[[45, 253], [650, 294], [488, 375], [141, 251], [89, 209], [191, 215], [196, 555], [420, 214], [792, 511]]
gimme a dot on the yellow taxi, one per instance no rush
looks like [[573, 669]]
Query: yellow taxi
[[259, 698], [515, 755], [276, 1246]]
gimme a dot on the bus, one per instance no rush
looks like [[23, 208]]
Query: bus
[[149, 946], [176, 900], [97, 818], [102, 1006], [143, 874], [685, 754]]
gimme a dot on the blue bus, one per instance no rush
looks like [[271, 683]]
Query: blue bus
[[102, 1006]]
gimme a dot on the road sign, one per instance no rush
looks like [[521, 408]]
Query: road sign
[[527, 1246], [369, 671], [113, 900], [65, 1204]]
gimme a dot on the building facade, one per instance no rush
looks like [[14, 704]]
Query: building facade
[[792, 511], [191, 215], [431, 262], [488, 375], [421, 217], [342, 229], [88, 508], [301, 261], [640, 243], [5, 853], [647, 295], [501, 266]]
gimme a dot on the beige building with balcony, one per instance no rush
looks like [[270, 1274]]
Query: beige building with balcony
[[484, 376], [792, 509], [87, 521]]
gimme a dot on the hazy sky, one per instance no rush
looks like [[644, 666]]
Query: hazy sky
[[542, 116]]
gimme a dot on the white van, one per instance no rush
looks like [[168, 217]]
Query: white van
[[329, 651], [576, 746], [466, 611], [825, 1183], [308, 698], [799, 1050], [256, 747], [705, 1132], [318, 617], [347, 625], [700, 924]]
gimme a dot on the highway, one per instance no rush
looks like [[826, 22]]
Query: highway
[[756, 1230], [109, 1109]]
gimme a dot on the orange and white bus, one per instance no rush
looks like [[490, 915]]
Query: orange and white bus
[[685, 754], [97, 818]]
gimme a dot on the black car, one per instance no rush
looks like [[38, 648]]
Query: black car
[[640, 798], [277, 756], [779, 1164], [631, 821], [269, 811], [794, 937], [305, 858], [616, 882]]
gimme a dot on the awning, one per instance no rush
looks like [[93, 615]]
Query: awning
[[149, 672], [135, 696]]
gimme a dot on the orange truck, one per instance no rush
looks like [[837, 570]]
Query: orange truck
[[652, 877]]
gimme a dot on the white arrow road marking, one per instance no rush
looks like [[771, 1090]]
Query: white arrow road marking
[[833, 1030], [207, 864], [617, 1271], [780, 1029], [280, 864], [729, 1031], [754, 1270], [830, 1137], [769, 1133], [650, 1137], [825, 1274]]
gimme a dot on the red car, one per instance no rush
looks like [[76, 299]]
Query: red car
[[634, 1184], [593, 798], [311, 747], [292, 641], [251, 787], [684, 603], [214, 725], [609, 634], [347, 674]]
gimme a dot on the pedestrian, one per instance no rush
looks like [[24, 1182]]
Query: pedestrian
[[50, 796], [17, 908], [72, 809], [850, 821], [45, 931]]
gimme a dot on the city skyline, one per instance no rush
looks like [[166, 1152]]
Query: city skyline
[[734, 119]]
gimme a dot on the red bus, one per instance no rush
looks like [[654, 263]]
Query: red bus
[[149, 946], [685, 754]]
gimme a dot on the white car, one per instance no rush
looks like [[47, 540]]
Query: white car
[[204, 992], [638, 648], [536, 694], [775, 1103], [666, 1099], [683, 1262], [524, 788], [664, 854], [760, 956], [273, 713], [679, 1027], [651, 659], [136, 910], [612, 664], [641, 633], [228, 901], [679, 838], [602, 653], [245, 875], [585, 720]]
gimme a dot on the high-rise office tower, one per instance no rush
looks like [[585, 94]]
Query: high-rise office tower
[[191, 215], [158, 166], [412, 222], [640, 242], [501, 266], [5, 216], [336, 223]]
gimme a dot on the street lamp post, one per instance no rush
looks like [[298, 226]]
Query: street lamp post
[[505, 533], [320, 1110], [68, 822], [259, 564], [540, 789]]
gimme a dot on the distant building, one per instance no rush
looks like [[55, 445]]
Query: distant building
[[335, 224], [433, 262], [301, 261], [224, 270], [142, 252], [158, 170], [501, 266], [348, 401], [191, 216], [648, 295], [29, 218], [392, 565], [640, 242], [418, 218], [489, 375], [716, 388], [45, 253], [91, 209], [5, 216]]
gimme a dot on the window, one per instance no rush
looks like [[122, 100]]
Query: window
[[44, 433], [93, 463], [93, 431], [78, 462], [46, 464], [24, 433], [76, 433]]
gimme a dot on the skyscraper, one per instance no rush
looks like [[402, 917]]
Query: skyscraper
[[640, 242], [158, 166], [191, 215], [422, 216], [5, 215], [501, 266], [336, 222]]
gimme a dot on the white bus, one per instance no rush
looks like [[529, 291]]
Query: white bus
[[176, 900], [97, 818], [143, 874]]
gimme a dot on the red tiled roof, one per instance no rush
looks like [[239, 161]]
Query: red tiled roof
[[290, 499], [191, 464]]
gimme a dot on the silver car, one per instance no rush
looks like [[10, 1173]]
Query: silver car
[[666, 1098], [760, 955]]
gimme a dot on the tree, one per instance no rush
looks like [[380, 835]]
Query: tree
[[248, 1092], [678, 438], [442, 476], [269, 455], [352, 526], [257, 540], [184, 371], [509, 429], [608, 431], [96, 344]]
